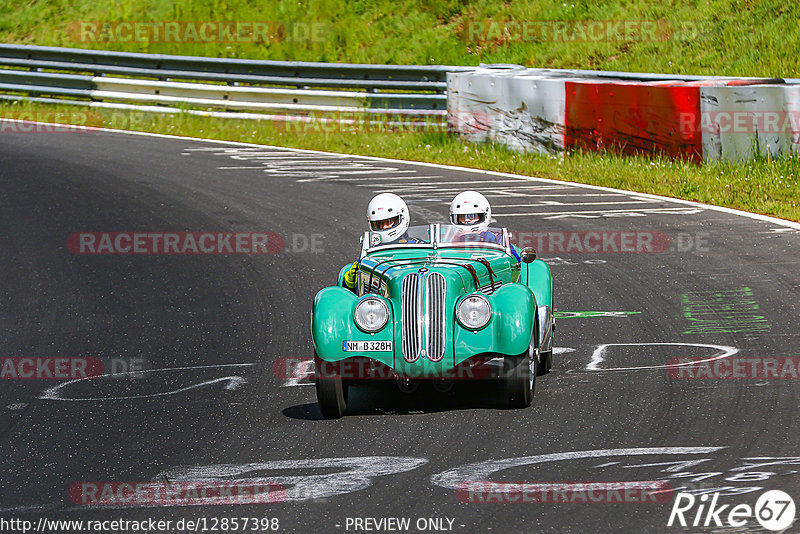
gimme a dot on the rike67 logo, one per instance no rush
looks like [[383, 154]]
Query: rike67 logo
[[774, 510]]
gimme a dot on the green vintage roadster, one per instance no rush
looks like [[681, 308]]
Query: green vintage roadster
[[435, 307]]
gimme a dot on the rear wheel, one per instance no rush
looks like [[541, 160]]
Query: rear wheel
[[520, 378], [331, 389], [546, 362]]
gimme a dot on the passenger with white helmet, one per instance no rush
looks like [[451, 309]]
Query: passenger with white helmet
[[388, 218], [471, 209], [473, 212]]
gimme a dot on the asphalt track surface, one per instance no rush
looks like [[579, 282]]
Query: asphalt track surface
[[211, 327]]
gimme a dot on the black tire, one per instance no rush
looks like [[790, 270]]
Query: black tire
[[545, 362], [331, 389], [520, 379]]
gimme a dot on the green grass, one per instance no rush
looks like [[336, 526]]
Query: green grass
[[768, 186], [724, 37]]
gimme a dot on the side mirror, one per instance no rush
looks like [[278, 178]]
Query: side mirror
[[528, 254]]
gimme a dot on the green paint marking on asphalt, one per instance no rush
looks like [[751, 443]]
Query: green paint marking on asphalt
[[585, 314], [713, 312]]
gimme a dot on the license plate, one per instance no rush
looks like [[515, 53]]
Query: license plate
[[367, 346]]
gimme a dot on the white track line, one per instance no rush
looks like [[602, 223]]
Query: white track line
[[558, 204], [628, 210], [721, 209]]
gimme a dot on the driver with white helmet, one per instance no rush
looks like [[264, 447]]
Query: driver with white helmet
[[387, 215], [473, 212], [388, 219]]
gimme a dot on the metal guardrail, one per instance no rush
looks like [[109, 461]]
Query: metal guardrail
[[232, 87], [219, 83]]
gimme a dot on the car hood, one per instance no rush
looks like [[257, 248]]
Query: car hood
[[463, 271]]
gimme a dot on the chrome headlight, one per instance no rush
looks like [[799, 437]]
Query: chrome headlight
[[474, 312], [371, 314]]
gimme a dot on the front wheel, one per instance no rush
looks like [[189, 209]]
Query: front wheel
[[331, 389], [520, 378]]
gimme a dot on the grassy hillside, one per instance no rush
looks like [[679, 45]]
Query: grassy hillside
[[725, 37], [728, 37]]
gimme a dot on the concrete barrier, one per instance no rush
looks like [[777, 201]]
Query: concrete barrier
[[738, 121], [547, 111]]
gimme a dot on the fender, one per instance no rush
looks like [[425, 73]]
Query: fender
[[332, 323], [514, 320], [539, 279], [512, 328]]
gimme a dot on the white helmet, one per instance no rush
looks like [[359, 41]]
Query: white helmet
[[388, 218], [471, 209]]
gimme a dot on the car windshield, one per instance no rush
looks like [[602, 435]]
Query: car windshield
[[451, 235], [415, 235]]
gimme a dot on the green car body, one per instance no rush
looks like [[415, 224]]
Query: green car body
[[422, 286]]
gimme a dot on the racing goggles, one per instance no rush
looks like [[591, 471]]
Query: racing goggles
[[384, 224]]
